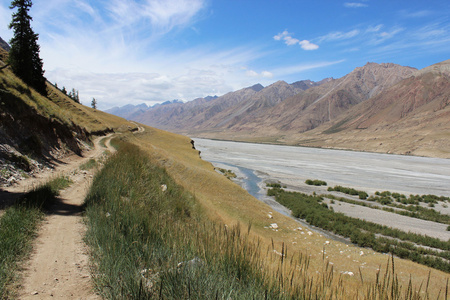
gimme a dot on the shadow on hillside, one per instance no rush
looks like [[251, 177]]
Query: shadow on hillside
[[8, 199]]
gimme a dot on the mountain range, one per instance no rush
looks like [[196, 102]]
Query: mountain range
[[377, 107]]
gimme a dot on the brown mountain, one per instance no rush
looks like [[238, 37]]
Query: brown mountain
[[411, 117], [226, 111], [324, 103], [177, 116]]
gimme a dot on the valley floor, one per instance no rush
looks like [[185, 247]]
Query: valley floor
[[370, 172]]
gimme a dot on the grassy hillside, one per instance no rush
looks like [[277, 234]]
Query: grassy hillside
[[34, 127], [344, 269]]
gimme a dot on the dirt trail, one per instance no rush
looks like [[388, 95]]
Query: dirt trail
[[58, 267]]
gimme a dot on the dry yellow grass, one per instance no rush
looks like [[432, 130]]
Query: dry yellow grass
[[61, 107], [228, 202]]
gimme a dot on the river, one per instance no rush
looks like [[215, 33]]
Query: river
[[360, 170]]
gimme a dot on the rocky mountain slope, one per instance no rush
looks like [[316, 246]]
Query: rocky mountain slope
[[411, 117], [278, 108], [220, 112], [326, 102]]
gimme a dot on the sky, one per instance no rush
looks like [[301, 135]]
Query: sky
[[151, 51]]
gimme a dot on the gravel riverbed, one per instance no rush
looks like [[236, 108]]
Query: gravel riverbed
[[369, 172]]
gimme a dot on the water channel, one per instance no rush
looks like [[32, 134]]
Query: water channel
[[360, 170]]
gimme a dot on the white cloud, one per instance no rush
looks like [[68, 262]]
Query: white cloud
[[168, 14], [280, 36], [307, 45], [290, 41], [355, 4], [266, 74], [432, 31], [374, 28], [385, 35], [263, 74], [251, 73], [284, 71], [339, 35], [162, 76], [416, 14]]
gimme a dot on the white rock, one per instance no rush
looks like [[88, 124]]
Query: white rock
[[163, 187], [274, 225]]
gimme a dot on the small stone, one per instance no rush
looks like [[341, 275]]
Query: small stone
[[35, 293]]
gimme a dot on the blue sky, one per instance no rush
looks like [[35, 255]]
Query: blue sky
[[135, 51]]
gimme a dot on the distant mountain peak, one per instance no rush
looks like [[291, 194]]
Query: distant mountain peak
[[171, 102], [257, 87], [442, 67]]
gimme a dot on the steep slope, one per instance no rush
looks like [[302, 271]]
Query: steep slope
[[255, 106], [179, 116], [411, 117], [36, 129], [223, 112], [326, 102]]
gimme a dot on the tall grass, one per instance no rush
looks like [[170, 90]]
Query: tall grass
[[150, 239], [18, 227], [151, 242]]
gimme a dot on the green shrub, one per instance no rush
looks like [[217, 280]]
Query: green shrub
[[315, 182], [363, 233]]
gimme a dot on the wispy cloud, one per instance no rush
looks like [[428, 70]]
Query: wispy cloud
[[416, 14], [381, 37], [339, 35], [355, 4], [290, 41], [263, 74], [284, 71], [375, 28]]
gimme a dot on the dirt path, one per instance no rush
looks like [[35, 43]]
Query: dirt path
[[58, 267]]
